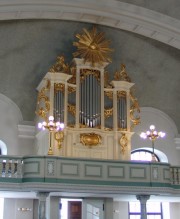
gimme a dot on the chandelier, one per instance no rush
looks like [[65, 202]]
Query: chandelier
[[152, 134], [52, 127]]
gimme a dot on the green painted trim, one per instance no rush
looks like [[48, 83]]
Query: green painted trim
[[30, 162], [69, 164], [89, 182], [32, 179], [116, 167], [92, 165], [11, 180], [140, 168], [96, 182], [175, 186]]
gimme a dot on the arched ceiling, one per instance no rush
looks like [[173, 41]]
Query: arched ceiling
[[34, 33]]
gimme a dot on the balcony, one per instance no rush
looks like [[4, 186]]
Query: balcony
[[50, 173]]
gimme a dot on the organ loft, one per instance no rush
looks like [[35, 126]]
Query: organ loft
[[79, 111]]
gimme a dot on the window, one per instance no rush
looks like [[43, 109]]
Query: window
[[154, 210], [143, 155]]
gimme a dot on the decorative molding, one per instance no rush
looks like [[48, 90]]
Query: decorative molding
[[111, 13], [70, 169], [116, 172], [138, 173], [26, 131], [177, 142], [93, 170], [31, 167]]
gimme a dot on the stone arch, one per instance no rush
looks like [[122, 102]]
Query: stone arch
[[115, 14]]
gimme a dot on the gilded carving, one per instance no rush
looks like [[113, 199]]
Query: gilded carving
[[71, 89], [108, 113], [59, 87], [43, 103], [123, 143], [90, 139], [72, 80], [59, 136], [86, 72], [72, 109], [134, 109], [121, 94], [109, 94], [122, 75], [60, 66]]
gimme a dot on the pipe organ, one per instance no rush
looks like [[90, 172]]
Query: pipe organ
[[98, 115]]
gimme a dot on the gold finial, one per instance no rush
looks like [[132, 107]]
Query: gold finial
[[122, 75], [93, 47], [60, 65]]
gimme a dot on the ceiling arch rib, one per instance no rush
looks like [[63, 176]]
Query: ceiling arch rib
[[112, 13]]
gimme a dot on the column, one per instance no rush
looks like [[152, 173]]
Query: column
[[42, 205], [143, 199], [53, 207]]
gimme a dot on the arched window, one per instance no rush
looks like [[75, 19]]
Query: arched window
[[145, 154]]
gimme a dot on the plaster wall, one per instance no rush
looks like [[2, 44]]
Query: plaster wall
[[120, 210], [11, 208]]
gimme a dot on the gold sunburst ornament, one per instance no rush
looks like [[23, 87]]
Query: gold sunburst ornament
[[93, 47]]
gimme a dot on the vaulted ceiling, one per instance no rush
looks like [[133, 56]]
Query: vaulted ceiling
[[144, 36]]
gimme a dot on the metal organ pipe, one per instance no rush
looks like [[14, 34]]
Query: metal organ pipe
[[122, 112], [90, 106]]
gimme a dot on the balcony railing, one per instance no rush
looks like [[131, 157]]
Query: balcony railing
[[54, 173]]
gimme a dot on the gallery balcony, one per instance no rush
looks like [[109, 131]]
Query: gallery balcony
[[51, 173]]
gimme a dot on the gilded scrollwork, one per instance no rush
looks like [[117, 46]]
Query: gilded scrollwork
[[123, 142], [71, 89], [72, 72], [134, 109], [86, 72], [122, 75], [90, 139], [59, 87], [59, 137], [60, 65], [72, 109], [109, 94], [108, 113], [121, 94], [43, 103]]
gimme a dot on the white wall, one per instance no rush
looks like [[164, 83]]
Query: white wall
[[120, 210], [11, 208], [19, 139], [174, 210], [163, 123]]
